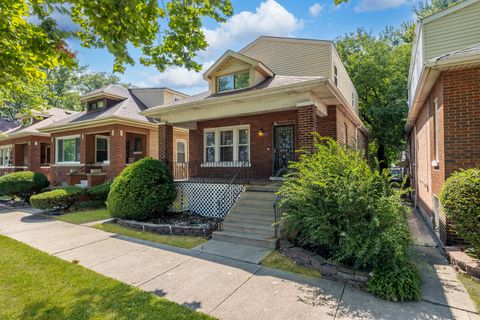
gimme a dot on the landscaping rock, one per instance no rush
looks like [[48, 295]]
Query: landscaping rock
[[317, 261], [285, 244], [463, 262]]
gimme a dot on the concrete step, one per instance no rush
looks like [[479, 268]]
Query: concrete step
[[254, 204], [246, 239], [242, 227], [260, 220], [264, 196], [271, 187], [252, 212]]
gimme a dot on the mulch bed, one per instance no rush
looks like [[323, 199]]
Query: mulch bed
[[187, 219]]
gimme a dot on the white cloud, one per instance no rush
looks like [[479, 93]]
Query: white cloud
[[373, 5], [315, 9], [269, 18]]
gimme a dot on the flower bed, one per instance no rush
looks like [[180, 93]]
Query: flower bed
[[307, 258], [176, 224], [462, 262]]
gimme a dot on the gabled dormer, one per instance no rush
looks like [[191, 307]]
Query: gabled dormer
[[235, 71], [32, 117], [104, 97]]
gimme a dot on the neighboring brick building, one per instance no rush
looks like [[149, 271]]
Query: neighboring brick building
[[23, 146], [94, 146], [444, 95], [263, 104]]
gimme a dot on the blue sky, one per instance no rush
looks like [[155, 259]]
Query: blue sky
[[317, 19]]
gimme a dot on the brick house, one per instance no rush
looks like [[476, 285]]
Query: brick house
[[23, 146], [443, 125], [94, 146], [262, 105]]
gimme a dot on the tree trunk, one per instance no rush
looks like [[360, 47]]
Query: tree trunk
[[382, 158]]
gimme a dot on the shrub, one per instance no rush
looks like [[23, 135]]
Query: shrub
[[59, 198], [142, 191], [396, 282], [338, 204], [460, 199], [88, 205], [99, 192], [22, 184]]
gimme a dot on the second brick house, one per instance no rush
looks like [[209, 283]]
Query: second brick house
[[94, 146]]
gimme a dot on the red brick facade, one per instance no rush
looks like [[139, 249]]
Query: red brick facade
[[457, 96], [27, 153], [304, 119]]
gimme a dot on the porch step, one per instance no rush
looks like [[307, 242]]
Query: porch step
[[258, 196], [242, 227], [245, 238], [251, 219], [271, 187]]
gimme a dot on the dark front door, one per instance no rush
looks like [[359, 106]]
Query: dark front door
[[283, 148]]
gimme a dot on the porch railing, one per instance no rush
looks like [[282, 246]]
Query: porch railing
[[229, 196], [278, 211], [235, 172], [281, 161]]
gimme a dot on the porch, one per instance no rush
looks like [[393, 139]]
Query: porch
[[91, 158]]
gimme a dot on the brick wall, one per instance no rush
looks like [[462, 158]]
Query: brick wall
[[458, 98]]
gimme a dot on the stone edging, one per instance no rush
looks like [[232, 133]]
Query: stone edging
[[462, 262], [307, 258], [166, 228]]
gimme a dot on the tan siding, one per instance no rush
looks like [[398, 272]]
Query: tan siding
[[345, 85], [153, 144], [258, 78], [452, 32], [293, 58]]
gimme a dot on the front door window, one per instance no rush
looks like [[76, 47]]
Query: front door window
[[283, 148]]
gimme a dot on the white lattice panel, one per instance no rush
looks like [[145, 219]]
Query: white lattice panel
[[203, 198]]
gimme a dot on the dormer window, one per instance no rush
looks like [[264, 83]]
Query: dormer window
[[96, 105], [234, 81], [27, 121]]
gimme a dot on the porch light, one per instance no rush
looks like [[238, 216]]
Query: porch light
[[261, 133]]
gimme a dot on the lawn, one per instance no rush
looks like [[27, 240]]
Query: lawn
[[35, 285], [473, 288], [187, 242], [276, 260], [79, 217]]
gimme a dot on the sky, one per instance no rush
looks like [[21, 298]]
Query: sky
[[315, 19]]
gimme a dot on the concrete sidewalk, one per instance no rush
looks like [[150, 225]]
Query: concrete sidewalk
[[231, 289]]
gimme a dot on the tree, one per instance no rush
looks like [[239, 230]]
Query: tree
[[378, 66], [425, 8], [31, 42]]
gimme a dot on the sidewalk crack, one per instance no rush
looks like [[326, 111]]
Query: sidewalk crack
[[339, 301]]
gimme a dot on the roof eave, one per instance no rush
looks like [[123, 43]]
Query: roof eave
[[156, 111], [96, 122]]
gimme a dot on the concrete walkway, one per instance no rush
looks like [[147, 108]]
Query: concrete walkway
[[231, 289]]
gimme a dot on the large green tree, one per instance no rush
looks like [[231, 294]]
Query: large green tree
[[378, 66], [31, 42]]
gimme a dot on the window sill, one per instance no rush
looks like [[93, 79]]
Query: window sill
[[67, 164], [225, 165]]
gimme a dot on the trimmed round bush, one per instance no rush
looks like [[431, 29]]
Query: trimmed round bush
[[336, 204], [99, 192], [22, 184], [59, 198], [143, 190], [460, 199]]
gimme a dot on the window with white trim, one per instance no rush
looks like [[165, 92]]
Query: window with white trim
[[234, 81], [67, 149], [227, 145], [6, 155], [102, 153], [181, 154]]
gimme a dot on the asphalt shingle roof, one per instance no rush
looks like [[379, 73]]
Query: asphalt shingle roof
[[55, 115], [462, 53]]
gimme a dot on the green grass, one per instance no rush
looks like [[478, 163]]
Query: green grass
[[473, 288], [79, 217], [276, 260], [187, 242], [35, 285]]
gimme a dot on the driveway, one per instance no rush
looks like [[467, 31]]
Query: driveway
[[230, 289]]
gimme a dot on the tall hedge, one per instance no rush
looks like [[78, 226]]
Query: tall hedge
[[22, 184], [143, 190], [337, 203], [460, 199]]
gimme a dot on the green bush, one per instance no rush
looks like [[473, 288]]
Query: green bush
[[143, 190], [88, 205], [22, 184], [460, 199], [59, 198], [338, 204], [99, 192], [396, 282]]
